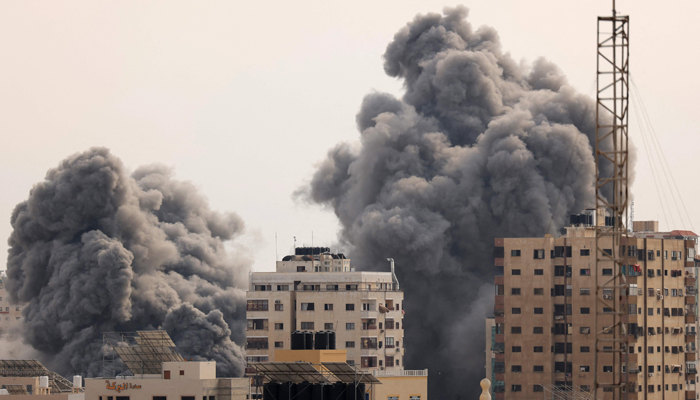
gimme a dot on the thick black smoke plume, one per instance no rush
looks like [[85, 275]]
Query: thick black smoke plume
[[479, 147], [96, 250]]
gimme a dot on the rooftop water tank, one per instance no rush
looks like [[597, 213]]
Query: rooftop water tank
[[77, 381], [43, 381]]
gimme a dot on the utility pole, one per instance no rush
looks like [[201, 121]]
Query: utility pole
[[613, 319]]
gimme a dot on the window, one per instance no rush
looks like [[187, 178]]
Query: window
[[282, 288], [349, 345], [354, 287], [279, 307], [389, 342], [256, 343], [538, 349], [516, 368], [307, 306], [539, 291], [515, 291], [585, 272], [389, 361], [539, 310], [516, 388], [650, 349], [539, 272], [515, 349], [585, 291], [154, 398], [539, 254], [585, 252], [301, 268], [585, 310], [538, 368], [515, 253], [515, 330], [559, 290], [607, 368], [279, 326], [607, 271], [350, 326], [332, 288], [392, 398], [585, 349], [328, 326], [279, 345], [370, 362], [328, 307], [257, 324], [538, 330], [350, 307], [257, 305], [515, 272], [414, 397], [166, 375], [585, 368], [368, 343], [537, 388], [559, 270], [307, 326], [515, 310]]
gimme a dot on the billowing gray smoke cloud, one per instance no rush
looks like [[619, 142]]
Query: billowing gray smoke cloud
[[95, 250], [479, 147]]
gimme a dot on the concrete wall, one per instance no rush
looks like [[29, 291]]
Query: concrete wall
[[191, 369]]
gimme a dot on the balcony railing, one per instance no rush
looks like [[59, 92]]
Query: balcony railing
[[400, 372]]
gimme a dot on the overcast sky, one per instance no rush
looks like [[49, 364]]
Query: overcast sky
[[243, 98]]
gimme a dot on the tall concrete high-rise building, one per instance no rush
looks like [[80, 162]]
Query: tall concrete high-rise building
[[545, 314], [315, 290]]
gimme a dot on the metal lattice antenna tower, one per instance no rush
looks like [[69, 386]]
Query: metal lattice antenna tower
[[611, 155]]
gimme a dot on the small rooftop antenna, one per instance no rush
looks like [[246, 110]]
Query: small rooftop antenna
[[295, 242]]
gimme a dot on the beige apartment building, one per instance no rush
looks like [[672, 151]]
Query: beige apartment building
[[545, 314], [9, 313], [314, 290]]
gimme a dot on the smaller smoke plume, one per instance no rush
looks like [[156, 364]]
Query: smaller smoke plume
[[94, 250]]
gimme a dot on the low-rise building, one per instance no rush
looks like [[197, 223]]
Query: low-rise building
[[178, 380]]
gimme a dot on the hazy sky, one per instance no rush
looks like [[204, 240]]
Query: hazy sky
[[243, 98]]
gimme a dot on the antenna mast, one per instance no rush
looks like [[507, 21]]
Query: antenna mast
[[611, 156]]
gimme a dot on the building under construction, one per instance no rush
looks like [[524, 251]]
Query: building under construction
[[547, 326]]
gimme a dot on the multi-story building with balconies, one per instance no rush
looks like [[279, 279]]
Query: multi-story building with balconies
[[9, 313], [545, 314], [314, 290]]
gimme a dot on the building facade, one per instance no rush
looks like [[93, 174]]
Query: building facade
[[314, 290], [178, 380], [9, 313], [545, 314]]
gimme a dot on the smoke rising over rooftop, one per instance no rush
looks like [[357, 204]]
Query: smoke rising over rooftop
[[479, 147], [94, 249]]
